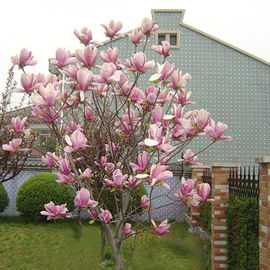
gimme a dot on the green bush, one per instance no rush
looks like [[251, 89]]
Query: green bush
[[3, 198], [108, 200], [243, 233], [205, 218], [40, 189]]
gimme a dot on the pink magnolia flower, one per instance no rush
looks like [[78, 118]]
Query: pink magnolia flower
[[46, 96], [127, 229], [49, 115], [85, 36], [84, 78], [55, 211], [204, 191], [88, 113], [110, 147], [14, 146], [178, 81], [189, 158], [155, 138], [111, 57], [158, 174], [186, 190], [163, 227], [71, 127], [71, 71], [103, 162], [109, 74], [137, 63], [136, 36], [76, 141], [64, 166], [216, 131], [83, 200], [183, 97], [93, 213], [148, 26], [29, 84], [164, 72], [87, 174], [118, 179], [157, 115], [88, 56], [137, 95], [164, 49], [24, 59], [134, 182], [112, 29], [63, 58], [65, 179], [18, 124], [126, 120], [143, 162], [105, 216], [201, 119], [152, 94], [145, 202], [50, 159], [177, 111]]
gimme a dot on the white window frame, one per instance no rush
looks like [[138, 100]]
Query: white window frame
[[167, 34]]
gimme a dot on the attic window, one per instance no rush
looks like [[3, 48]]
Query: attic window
[[172, 36]]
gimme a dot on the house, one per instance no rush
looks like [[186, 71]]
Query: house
[[228, 82]]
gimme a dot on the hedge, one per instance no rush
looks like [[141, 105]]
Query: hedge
[[40, 189], [4, 200], [243, 233]]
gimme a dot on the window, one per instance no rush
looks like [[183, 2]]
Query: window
[[161, 38], [173, 40], [172, 36]]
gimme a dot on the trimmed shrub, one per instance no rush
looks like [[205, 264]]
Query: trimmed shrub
[[243, 233], [40, 189], [3, 198]]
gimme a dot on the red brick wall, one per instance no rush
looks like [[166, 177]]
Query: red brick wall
[[264, 214], [220, 192]]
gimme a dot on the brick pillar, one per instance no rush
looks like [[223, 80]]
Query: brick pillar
[[197, 175], [220, 192], [264, 213]]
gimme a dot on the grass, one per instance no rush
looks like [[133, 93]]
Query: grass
[[49, 245]]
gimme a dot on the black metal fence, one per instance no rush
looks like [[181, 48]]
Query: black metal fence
[[244, 182], [207, 178]]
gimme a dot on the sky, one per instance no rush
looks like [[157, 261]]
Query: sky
[[44, 26]]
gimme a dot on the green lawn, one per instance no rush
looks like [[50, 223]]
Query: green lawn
[[49, 245]]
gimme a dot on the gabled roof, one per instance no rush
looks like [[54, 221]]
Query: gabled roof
[[154, 11]]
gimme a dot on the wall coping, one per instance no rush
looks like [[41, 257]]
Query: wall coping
[[225, 165], [200, 167], [263, 159]]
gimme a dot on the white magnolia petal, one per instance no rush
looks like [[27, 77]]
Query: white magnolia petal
[[67, 138], [150, 142], [168, 117], [82, 95], [155, 78], [141, 176], [154, 180]]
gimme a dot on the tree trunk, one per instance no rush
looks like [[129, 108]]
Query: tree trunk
[[118, 256], [103, 242]]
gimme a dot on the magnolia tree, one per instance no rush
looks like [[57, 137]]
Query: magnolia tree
[[113, 135], [15, 139]]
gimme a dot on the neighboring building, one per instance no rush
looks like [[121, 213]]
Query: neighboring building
[[231, 84]]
